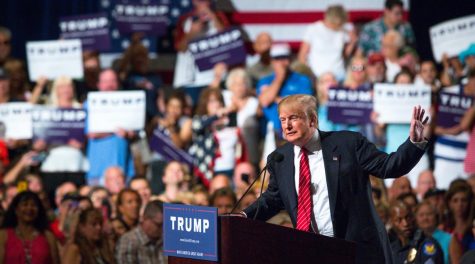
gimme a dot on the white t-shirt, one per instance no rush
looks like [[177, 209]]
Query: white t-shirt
[[392, 69], [326, 49], [228, 140]]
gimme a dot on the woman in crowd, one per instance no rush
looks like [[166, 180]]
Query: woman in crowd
[[238, 96], [357, 79], [426, 220], [89, 245], [174, 122], [356, 76], [217, 145], [324, 83], [24, 237], [459, 200], [63, 157], [128, 208], [459, 221]]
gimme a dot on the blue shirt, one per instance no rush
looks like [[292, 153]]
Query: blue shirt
[[443, 238], [294, 84], [105, 152]]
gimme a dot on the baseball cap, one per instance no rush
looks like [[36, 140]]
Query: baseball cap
[[374, 58], [433, 192], [280, 50]]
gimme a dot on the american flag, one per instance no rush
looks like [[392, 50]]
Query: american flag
[[286, 20]]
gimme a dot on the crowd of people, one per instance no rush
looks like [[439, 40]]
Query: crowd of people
[[101, 201]]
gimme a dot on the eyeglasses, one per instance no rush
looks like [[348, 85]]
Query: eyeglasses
[[357, 68]]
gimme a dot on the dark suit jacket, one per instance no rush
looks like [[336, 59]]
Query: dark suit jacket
[[349, 159]]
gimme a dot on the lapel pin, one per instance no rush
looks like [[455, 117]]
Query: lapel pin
[[335, 158]]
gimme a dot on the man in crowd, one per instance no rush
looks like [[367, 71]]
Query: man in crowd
[[5, 45], [114, 180], [108, 149], [425, 182], [144, 243], [399, 186], [410, 245], [142, 186], [322, 178], [262, 67], [281, 83], [372, 33]]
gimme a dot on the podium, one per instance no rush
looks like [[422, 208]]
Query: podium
[[243, 240]]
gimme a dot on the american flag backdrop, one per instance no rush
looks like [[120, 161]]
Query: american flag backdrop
[[286, 20]]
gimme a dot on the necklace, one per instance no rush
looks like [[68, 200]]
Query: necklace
[[26, 244]]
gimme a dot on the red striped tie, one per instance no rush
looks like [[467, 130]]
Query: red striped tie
[[305, 200]]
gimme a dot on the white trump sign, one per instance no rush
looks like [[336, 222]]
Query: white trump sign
[[17, 120], [452, 36], [394, 102], [54, 58], [109, 111]]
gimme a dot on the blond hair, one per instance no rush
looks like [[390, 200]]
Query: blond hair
[[336, 15], [53, 97], [238, 73], [307, 104]]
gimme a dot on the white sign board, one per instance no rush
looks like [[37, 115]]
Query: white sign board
[[54, 58], [17, 120], [394, 103], [452, 37], [109, 111]]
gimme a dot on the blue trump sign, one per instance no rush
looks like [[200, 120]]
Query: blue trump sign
[[190, 231]]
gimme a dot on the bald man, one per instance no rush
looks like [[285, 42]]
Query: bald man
[[400, 186], [425, 182]]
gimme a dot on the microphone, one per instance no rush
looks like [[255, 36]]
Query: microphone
[[276, 157]]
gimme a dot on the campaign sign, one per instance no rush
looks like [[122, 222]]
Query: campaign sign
[[162, 144], [451, 108], [58, 125], [91, 29], [394, 103], [151, 19], [54, 58], [110, 111], [347, 106], [452, 37], [190, 231], [17, 120], [226, 46]]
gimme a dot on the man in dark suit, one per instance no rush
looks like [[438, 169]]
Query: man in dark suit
[[323, 179]]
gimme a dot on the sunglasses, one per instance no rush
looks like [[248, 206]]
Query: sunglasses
[[357, 68]]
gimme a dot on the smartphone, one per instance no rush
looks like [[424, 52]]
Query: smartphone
[[40, 157]]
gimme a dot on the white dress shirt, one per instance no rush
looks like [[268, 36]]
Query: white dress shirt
[[321, 216]]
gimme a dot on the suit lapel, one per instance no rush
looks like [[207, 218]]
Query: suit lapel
[[331, 159], [289, 177]]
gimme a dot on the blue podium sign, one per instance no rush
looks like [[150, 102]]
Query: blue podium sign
[[190, 231]]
